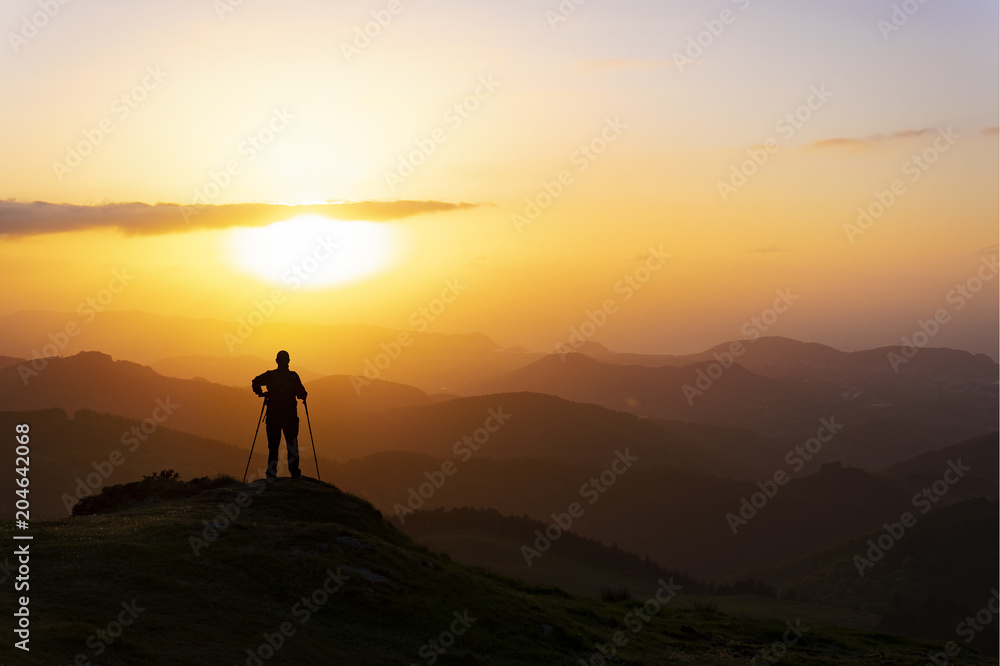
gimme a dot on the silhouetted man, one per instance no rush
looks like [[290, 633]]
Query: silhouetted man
[[283, 387]]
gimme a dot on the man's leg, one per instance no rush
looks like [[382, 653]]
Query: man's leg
[[273, 442], [291, 429]]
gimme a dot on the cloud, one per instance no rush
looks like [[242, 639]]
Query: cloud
[[626, 64], [991, 130], [141, 219], [871, 141]]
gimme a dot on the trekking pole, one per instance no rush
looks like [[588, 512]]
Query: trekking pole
[[306, 405], [264, 404]]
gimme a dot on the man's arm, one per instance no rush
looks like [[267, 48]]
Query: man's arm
[[257, 381], [300, 390]]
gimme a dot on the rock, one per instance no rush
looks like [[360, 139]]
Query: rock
[[367, 574], [355, 543]]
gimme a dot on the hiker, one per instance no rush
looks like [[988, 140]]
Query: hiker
[[283, 387]]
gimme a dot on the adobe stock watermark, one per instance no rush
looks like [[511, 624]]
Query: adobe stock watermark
[[464, 448], [101, 640], [563, 12], [699, 43], [899, 17], [454, 118], [924, 501], [968, 629], [635, 620], [786, 127], [958, 298], [87, 310], [32, 24], [227, 515], [225, 7], [133, 438], [248, 150], [581, 160], [302, 611], [973, 625], [913, 169], [323, 249], [420, 319], [776, 651], [120, 110], [592, 491], [627, 287], [433, 649], [796, 459], [752, 330], [365, 35]]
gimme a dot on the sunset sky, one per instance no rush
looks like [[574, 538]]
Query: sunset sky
[[212, 108]]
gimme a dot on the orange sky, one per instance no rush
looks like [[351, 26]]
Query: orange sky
[[746, 164]]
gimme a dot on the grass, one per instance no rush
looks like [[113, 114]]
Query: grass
[[214, 607], [614, 595], [704, 605]]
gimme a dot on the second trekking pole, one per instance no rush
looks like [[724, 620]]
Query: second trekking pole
[[255, 438], [306, 405]]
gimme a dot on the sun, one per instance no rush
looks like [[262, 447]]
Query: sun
[[314, 252]]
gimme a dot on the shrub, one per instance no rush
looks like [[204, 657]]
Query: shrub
[[615, 594], [153, 488]]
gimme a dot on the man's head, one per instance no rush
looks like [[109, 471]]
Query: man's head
[[282, 359]]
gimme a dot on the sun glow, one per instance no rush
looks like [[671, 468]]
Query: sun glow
[[312, 251]]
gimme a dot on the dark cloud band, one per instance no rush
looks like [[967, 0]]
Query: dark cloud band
[[35, 218]]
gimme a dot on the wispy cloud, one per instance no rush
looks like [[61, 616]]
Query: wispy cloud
[[871, 141], [34, 218]]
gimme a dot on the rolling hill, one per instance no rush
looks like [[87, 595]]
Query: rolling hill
[[92, 380], [887, 419], [940, 572], [383, 416], [362, 593], [678, 518], [485, 538], [785, 358]]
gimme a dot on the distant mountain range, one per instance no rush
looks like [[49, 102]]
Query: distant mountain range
[[785, 358], [186, 346], [348, 423], [223, 351], [947, 397], [744, 426]]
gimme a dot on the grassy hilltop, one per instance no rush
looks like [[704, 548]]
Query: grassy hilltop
[[303, 573]]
